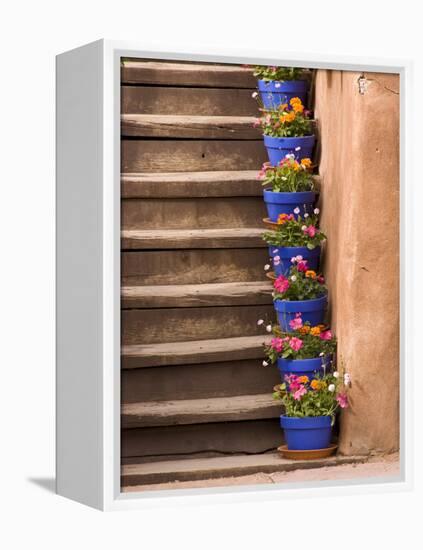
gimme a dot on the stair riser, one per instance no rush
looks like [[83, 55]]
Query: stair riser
[[145, 326], [155, 155], [197, 381], [179, 74], [206, 213], [193, 266], [188, 101], [213, 439]]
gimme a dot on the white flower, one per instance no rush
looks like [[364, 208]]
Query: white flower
[[260, 322], [277, 258], [269, 328], [265, 363], [347, 379], [316, 211], [266, 267], [306, 215], [321, 354], [254, 95], [298, 148], [299, 258], [289, 156], [293, 278], [331, 387], [293, 260], [275, 251], [304, 227], [296, 210], [284, 178], [277, 84], [336, 374]]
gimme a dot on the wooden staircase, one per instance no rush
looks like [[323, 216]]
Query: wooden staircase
[[193, 285]]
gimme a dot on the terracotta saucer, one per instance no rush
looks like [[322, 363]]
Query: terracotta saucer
[[271, 275], [271, 225], [307, 455]]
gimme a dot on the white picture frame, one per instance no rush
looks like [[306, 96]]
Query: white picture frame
[[88, 278]]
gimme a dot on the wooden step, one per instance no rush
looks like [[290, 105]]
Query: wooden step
[[198, 411], [191, 352], [200, 440], [237, 237], [189, 126], [221, 183], [196, 381], [193, 266], [151, 326], [173, 73], [215, 294], [171, 100], [204, 213], [168, 155], [220, 467]]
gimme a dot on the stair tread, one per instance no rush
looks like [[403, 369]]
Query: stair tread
[[234, 237], [192, 352], [189, 126], [187, 74], [220, 183], [197, 411], [189, 469], [192, 295]]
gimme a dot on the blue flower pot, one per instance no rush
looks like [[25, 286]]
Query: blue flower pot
[[273, 93], [279, 147], [285, 254], [285, 203], [304, 367], [307, 433], [312, 311]]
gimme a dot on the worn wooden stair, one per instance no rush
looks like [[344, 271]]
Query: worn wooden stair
[[192, 267]]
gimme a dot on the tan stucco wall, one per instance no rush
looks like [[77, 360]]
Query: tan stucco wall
[[359, 165]]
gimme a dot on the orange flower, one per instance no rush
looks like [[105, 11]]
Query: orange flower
[[315, 384], [295, 101], [310, 273], [295, 166], [306, 162], [315, 331], [303, 379], [282, 218], [287, 117], [305, 329], [298, 108]]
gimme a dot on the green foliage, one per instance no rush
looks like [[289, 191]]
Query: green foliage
[[285, 122], [277, 73], [290, 176], [296, 232], [301, 284], [320, 397]]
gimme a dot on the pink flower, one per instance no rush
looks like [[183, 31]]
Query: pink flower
[[325, 335], [277, 344], [302, 266], [256, 122], [300, 392], [296, 323], [321, 279], [295, 343], [276, 260], [310, 231], [342, 399], [281, 284]]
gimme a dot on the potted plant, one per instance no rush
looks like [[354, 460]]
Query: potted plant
[[288, 186], [310, 408], [302, 291], [305, 351], [293, 240], [277, 85], [287, 130]]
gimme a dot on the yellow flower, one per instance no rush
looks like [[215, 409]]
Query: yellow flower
[[298, 108], [315, 331], [310, 273], [303, 379], [295, 101], [306, 162]]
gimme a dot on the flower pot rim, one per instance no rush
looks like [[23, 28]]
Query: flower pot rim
[[305, 422], [295, 303], [290, 250], [303, 360], [306, 137]]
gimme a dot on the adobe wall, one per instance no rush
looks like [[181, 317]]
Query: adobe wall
[[359, 165]]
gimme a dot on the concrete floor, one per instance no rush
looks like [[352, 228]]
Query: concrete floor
[[378, 466]]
